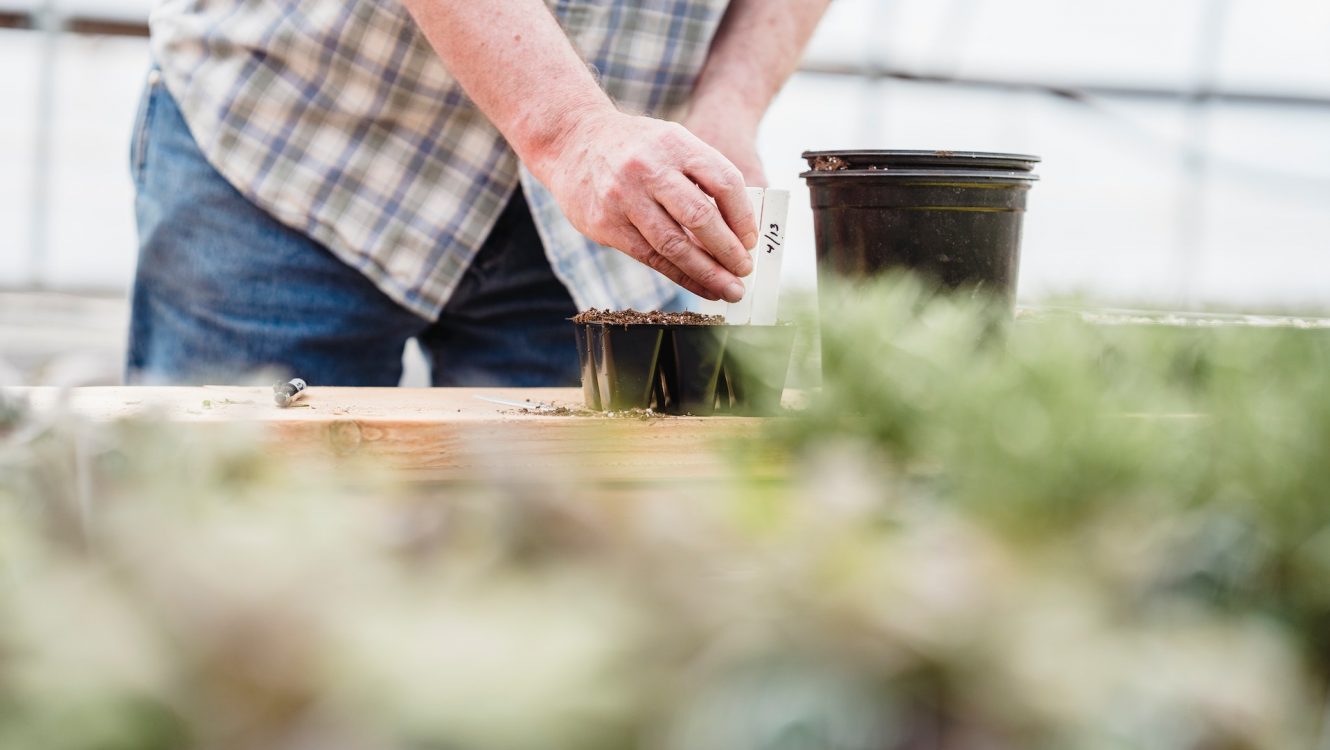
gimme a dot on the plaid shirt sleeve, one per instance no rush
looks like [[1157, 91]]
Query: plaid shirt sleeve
[[339, 120]]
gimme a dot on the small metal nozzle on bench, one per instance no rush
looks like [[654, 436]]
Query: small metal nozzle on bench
[[285, 394]]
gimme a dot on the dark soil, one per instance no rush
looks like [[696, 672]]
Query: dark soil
[[633, 317], [829, 164]]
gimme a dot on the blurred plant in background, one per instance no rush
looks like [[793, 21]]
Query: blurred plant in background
[[1048, 535]]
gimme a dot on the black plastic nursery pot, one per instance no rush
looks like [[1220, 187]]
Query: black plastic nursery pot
[[952, 217], [669, 368]]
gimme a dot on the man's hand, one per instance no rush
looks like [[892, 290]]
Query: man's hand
[[656, 192]]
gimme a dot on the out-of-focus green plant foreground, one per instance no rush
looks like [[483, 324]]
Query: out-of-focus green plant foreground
[[1044, 535]]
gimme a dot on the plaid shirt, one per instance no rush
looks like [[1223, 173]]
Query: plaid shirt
[[336, 117]]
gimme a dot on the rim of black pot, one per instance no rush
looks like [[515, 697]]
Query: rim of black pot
[[778, 324], [652, 325], [931, 175], [888, 159]]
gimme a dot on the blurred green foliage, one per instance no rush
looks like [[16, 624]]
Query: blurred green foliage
[[1046, 534]]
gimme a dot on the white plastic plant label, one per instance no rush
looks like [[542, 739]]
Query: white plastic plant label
[[709, 306], [738, 313], [768, 257]]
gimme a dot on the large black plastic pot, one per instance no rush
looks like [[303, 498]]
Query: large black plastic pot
[[952, 217]]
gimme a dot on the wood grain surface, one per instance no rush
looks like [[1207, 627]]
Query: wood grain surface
[[439, 433]]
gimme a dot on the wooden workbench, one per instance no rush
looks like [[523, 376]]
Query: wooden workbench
[[433, 432]]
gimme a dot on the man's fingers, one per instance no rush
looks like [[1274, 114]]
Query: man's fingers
[[670, 241], [635, 245], [723, 182], [673, 273], [685, 203], [694, 211]]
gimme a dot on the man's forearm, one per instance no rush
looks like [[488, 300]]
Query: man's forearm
[[755, 51], [516, 64], [650, 188]]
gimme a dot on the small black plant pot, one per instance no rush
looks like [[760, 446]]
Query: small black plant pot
[[951, 217], [690, 369], [590, 388], [624, 360], [756, 361], [700, 370]]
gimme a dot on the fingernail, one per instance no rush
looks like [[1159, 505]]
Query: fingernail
[[750, 241], [746, 267], [734, 292]]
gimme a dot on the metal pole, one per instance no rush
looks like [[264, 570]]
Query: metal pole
[[1196, 164], [876, 94], [48, 24]]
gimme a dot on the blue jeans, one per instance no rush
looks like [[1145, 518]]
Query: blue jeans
[[224, 291]]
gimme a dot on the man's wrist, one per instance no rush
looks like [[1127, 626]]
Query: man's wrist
[[545, 134], [727, 111]]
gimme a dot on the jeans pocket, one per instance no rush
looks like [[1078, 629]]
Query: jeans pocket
[[138, 147]]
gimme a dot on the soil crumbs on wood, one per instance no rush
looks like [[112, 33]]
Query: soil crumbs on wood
[[633, 317], [570, 411]]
